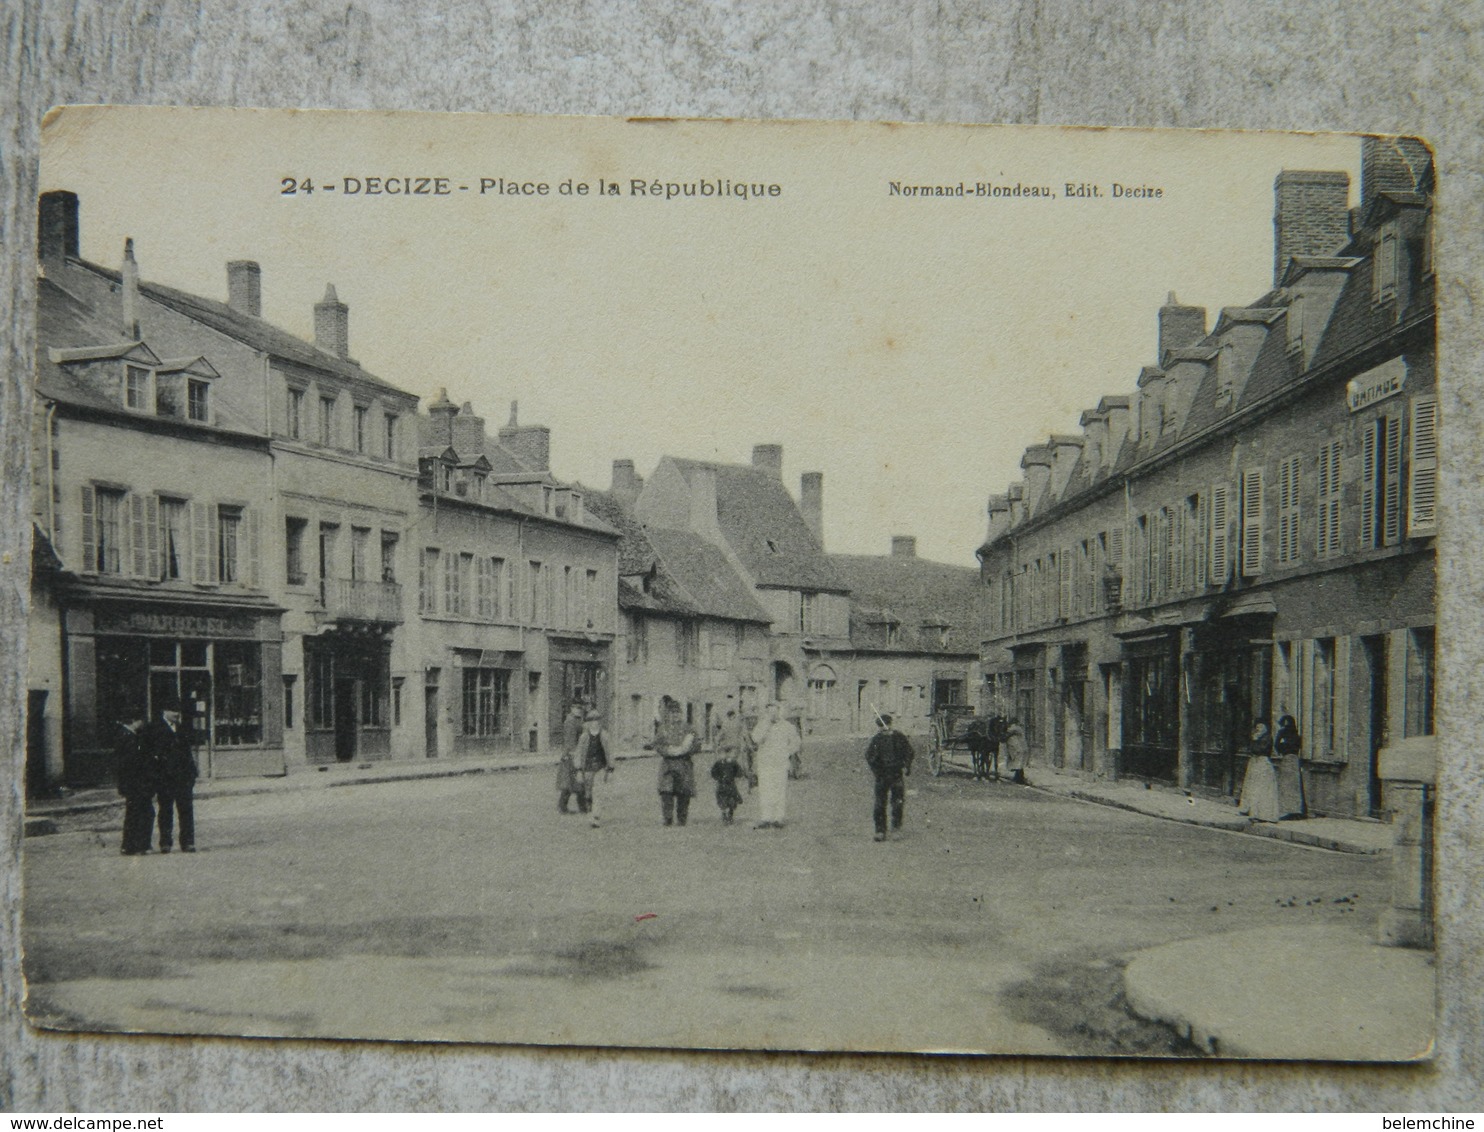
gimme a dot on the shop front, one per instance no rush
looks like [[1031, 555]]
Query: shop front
[[219, 663], [1151, 707], [580, 672], [1231, 674], [347, 684]]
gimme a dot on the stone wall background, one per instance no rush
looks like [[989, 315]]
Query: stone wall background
[[1403, 66]]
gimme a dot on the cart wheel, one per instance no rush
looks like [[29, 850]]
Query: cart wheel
[[935, 756]]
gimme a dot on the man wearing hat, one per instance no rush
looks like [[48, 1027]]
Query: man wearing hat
[[675, 743], [169, 742], [889, 755], [573, 729], [593, 755], [136, 778]]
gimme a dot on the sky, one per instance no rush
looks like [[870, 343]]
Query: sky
[[909, 347]]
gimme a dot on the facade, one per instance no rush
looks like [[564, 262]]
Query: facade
[[915, 628], [1250, 534], [772, 544], [692, 632], [232, 516], [517, 592]]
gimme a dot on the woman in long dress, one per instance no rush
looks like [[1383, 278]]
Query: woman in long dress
[[777, 739], [1260, 785], [1287, 744]]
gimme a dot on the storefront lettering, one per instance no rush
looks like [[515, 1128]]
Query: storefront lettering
[[1376, 385], [172, 624]]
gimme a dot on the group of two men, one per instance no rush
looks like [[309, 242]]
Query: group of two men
[[155, 763]]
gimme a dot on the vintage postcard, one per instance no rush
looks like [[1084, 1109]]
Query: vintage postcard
[[806, 586]]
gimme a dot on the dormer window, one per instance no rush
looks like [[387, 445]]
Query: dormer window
[[136, 388], [1385, 264], [445, 477], [480, 480]]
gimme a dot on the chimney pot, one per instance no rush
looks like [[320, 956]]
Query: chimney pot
[[129, 290], [245, 287], [1311, 215]]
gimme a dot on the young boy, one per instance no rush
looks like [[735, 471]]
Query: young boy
[[726, 770]]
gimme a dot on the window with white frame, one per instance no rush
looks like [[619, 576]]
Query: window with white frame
[[174, 539], [198, 400], [136, 388], [229, 543]]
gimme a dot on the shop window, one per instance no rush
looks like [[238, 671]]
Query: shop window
[[198, 394], [1025, 706], [237, 678], [486, 702], [1421, 661], [319, 689], [293, 551], [374, 696]]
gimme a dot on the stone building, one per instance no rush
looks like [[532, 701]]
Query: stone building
[[1251, 533]]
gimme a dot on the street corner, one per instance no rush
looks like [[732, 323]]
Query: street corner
[[1271, 994]]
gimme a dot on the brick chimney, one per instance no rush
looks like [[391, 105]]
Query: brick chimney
[[626, 482], [1392, 165], [245, 287], [811, 503], [904, 546], [532, 443], [56, 227], [769, 458], [129, 290], [442, 411], [1179, 325], [468, 432], [1310, 215], [332, 324]]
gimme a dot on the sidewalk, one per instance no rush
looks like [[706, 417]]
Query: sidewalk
[[1344, 835], [1272, 993]]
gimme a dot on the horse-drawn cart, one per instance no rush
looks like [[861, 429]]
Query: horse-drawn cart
[[957, 728]]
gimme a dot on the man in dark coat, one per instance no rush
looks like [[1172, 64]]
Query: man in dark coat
[[593, 755], [567, 781], [675, 743], [889, 756], [136, 778], [169, 742]]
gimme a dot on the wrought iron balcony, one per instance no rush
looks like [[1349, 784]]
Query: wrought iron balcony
[[347, 600]]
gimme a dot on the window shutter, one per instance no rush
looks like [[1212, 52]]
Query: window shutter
[[1115, 547], [137, 559], [1220, 555], [254, 565], [201, 554], [1322, 510], [213, 543], [152, 566], [1336, 497], [1065, 563], [89, 529], [1252, 522], [1368, 486], [1422, 483], [1392, 528], [1199, 543], [486, 588]]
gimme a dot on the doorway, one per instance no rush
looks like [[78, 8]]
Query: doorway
[[1378, 671], [783, 681], [346, 724], [430, 722]]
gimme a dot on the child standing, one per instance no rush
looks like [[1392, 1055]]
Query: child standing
[[726, 770]]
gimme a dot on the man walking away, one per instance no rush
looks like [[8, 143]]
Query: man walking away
[[136, 778], [889, 755], [169, 742]]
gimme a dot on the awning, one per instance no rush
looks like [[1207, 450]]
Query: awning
[[1251, 605]]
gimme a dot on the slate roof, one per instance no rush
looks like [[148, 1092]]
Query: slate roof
[[252, 331], [764, 528], [918, 595], [670, 571]]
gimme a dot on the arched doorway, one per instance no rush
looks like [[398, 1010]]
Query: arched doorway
[[785, 682]]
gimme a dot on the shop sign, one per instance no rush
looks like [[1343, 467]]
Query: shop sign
[[151, 623], [1375, 385]]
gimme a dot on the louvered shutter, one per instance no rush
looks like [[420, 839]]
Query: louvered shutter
[[153, 569], [486, 588], [202, 556], [1392, 528], [1336, 496], [1065, 562], [1322, 510], [1422, 483], [1252, 522], [89, 529], [254, 565], [1368, 486], [135, 560], [1115, 547], [1220, 564], [1199, 543]]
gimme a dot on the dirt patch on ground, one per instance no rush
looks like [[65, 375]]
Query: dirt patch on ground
[[1082, 1002]]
